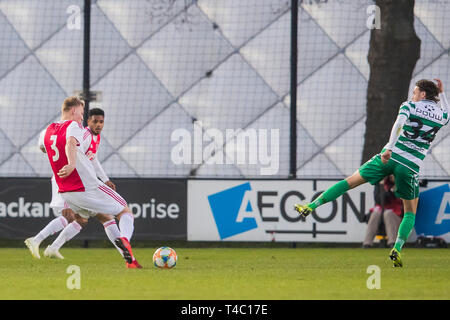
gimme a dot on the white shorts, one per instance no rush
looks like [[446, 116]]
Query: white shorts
[[57, 200], [57, 204], [58, 210], [91, 202]]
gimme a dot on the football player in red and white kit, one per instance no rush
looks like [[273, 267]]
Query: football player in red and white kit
[[96, 121], [76, 178], [67, 221]]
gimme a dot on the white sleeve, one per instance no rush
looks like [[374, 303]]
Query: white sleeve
[[99, 170], [75, 130], [444, 102], [41, 140], [87, 138], [396, 129]]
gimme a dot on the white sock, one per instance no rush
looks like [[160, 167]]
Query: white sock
[[68, 233], [126, 225], [113, 232], [54, 226]]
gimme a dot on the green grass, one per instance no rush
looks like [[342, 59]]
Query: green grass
[[229, 273]]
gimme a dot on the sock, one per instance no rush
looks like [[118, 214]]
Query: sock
[[113, 232], [126, 225], [404, 230], [54, 226], [68, 233], [330, 194]]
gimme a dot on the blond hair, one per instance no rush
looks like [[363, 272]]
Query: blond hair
[[71, 102]]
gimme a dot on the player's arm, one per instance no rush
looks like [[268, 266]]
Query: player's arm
[[41, 141], [442, 97], [71, 153], [395, 133], [444, 102], [101, 174]]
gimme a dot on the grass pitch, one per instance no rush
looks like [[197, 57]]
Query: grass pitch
[[229, 274]]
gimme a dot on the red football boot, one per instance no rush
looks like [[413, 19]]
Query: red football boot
[[134, 265], [125, 246]]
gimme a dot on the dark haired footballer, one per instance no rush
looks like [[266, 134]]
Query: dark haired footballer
[[414, 130]]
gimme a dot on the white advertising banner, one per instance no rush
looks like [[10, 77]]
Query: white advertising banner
[[262, 210]]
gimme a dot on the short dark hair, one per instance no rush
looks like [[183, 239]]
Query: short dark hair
[[96, 112], [430, 88]]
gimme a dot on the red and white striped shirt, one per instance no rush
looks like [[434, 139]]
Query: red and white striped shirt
[[91, 144]]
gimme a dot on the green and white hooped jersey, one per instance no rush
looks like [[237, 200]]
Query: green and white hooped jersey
[[424, 119]]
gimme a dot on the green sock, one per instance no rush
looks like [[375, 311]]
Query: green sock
[[404, 230], [330, 194]]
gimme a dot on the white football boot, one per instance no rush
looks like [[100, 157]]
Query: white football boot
[[52, 253], [33, 246]]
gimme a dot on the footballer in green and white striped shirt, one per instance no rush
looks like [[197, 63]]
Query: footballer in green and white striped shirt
[[414, 130], [423, 119]]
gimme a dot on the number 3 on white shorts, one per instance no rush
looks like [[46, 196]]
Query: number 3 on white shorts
[[54, 148]]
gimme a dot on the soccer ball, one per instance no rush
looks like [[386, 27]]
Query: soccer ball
[[165, 258]]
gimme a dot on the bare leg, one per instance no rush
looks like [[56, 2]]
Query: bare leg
[[337, 190], [355, 180]]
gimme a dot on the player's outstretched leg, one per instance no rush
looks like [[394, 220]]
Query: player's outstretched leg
[[330, 194], [303, 209]]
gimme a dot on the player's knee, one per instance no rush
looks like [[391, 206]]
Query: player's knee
[[355, 180], [410, 205], [69, 215], [102, 218], [81, 221], [125, 211]]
